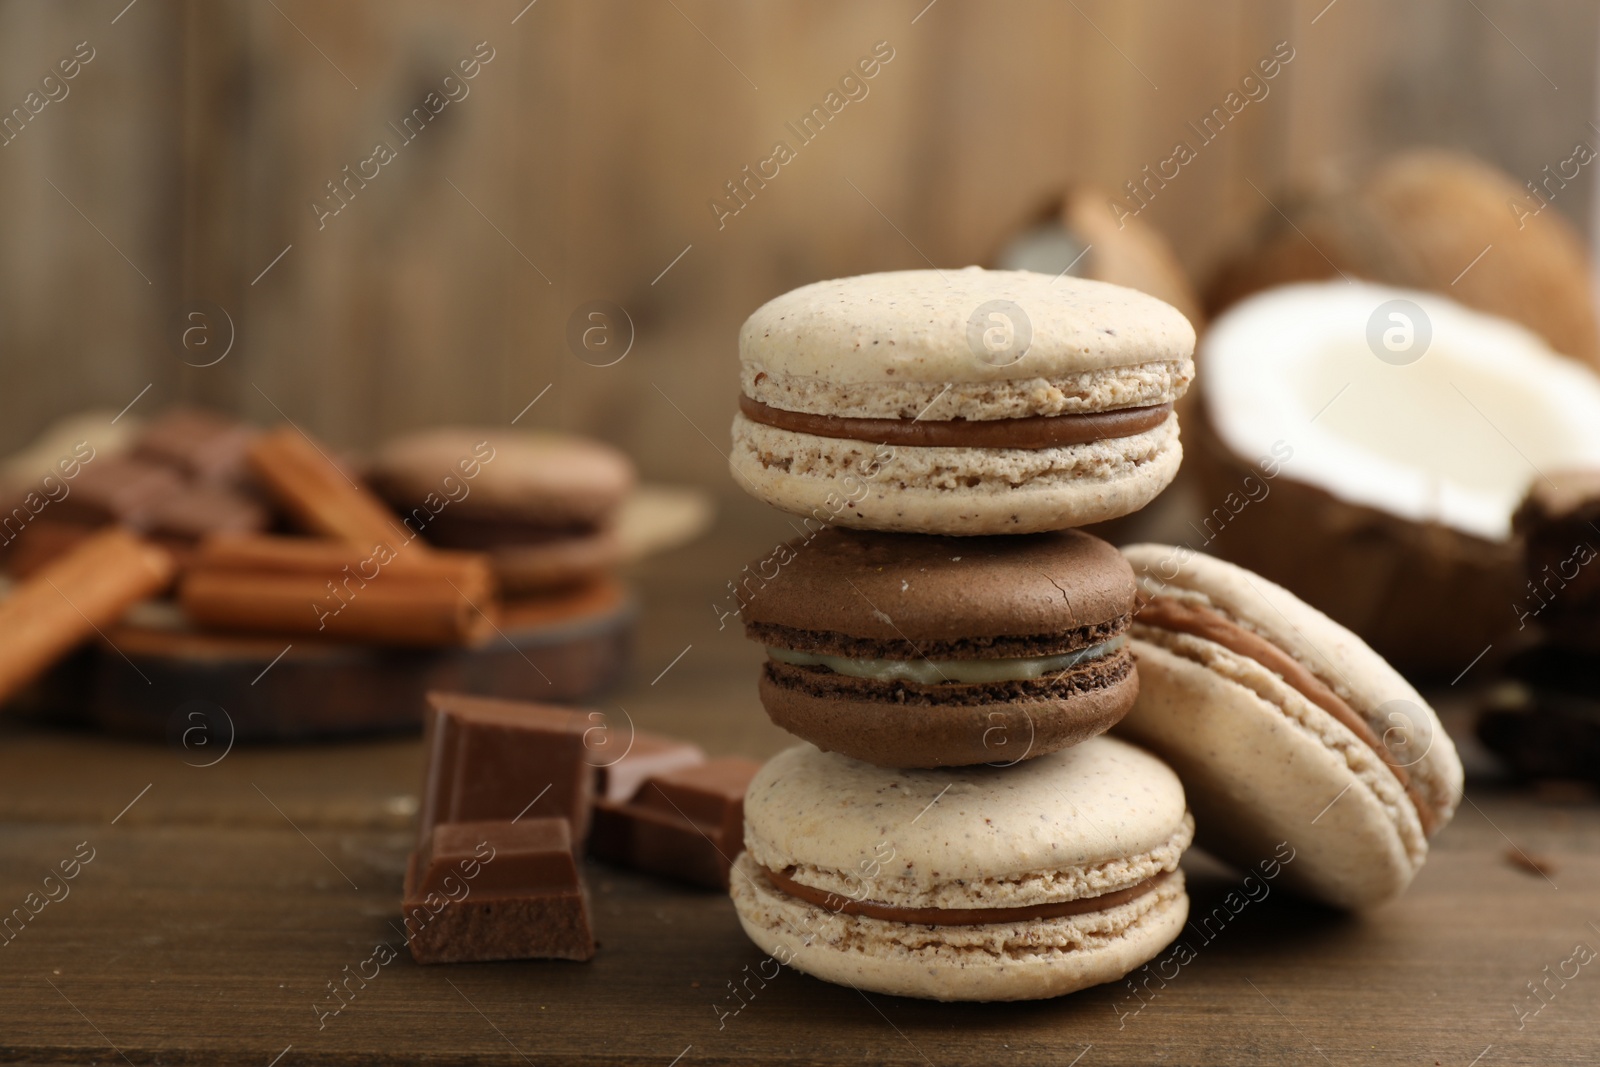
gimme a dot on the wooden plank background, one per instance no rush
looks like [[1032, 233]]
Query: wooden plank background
[[189, 150]]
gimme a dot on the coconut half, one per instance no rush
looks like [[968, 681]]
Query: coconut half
[[1400, 448]]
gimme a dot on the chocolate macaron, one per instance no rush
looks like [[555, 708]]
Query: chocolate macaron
[[972, 883], [541, 504], [960, 401], [915, 651], [1286, 728]]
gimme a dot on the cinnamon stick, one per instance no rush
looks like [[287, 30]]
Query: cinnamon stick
[[68, 600], [320, 496], [328, 589]]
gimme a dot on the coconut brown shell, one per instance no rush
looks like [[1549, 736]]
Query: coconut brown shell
[[1426, 597], [1422, 220]]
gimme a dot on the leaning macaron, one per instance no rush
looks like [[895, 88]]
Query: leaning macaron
[[541, 504], [913, 651], [968, 884], [1286, 728], [961, 401]]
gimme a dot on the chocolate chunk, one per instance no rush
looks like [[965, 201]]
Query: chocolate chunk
[[118, 489], [1560, 521], [497, 890], [200, 510], [686, 823], [625, 762], [505, 759], [205, 446]]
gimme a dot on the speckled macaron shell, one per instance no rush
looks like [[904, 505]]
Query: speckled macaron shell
[[914, 326], [899, 588], [913, 346], [530, 475], [1083, 822], [1265, 766]]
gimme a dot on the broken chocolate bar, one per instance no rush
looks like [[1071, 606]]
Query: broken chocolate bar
[[505, 759], [205, 446], [625, 761], [686, 823], [118, 489], [496, 890], [1560, 522]]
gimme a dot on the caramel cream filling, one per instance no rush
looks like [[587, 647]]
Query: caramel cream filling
[[1030, 432], [873, 909], [933, 672], [1169, 613]]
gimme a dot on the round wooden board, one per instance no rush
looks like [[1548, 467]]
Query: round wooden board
[[564, 649]]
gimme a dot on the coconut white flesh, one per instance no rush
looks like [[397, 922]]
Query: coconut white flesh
[[1455, 437]]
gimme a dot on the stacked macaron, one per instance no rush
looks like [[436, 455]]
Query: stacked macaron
[[945, 641]]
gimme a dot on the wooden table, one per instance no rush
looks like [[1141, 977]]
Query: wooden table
[[221, 901]]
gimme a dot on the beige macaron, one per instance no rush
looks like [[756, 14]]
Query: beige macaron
[[960, 401], [1286, 727], [972, 883], [541, 504]]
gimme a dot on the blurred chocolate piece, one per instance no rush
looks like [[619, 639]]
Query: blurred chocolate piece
[[505, 759], [201, 510], [1547, 725], [118, 489], [625, 761], [205, 446], [1560, 523], [686, 823], [497, 890]]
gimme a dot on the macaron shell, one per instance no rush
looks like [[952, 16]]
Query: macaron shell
[[1000, 732], [920, 325], [532, 474], [901, 589], [1085, 820], [1002, 961], [1259, 774], [955, 491]]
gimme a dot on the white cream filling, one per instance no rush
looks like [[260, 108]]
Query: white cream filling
[[932, 672]]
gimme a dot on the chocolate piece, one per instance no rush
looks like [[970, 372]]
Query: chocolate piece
[[1029, 431], [687, 823], [118, 489], [505, 759], [197, 511], [625, 761], [205, 446], [1547, 724], [1560, 522], [496, 890]]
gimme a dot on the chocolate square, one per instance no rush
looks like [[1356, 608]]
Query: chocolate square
[[203, 445], [686, 823], [1560, 522], [624, 762], [497, 890], [504, 759], [115, 488]]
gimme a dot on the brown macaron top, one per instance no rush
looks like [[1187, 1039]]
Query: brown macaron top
[[947, 591]]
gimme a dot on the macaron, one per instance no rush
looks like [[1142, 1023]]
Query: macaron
[[1286, 728], [911, 651], [974, 883], [541, 504], [960, 401]]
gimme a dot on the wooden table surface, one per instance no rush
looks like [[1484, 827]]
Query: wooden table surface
[[221, 901]]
